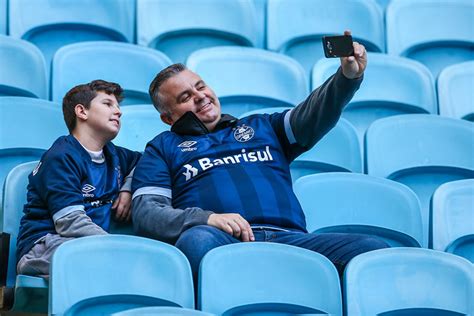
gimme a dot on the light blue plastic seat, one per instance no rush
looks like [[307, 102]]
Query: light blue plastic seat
[[455, 92], [178, 28], [50, 24], [357, 203], [296, 27], [100, 275], [30, 293], [453, 218], [131, 66], [3, 17], [30, 123], [422, 151], [437, 33], [392, 85], [338, 150], [268, 279], [247, 79], [409, 282], [20, 62], [160, 310], [140, 124], [383, 4]]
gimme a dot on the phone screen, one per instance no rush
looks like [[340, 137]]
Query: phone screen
[[338, 46]]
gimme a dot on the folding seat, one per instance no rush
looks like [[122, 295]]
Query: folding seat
[[178, 28], [30, 293], [3, 17], [100, 275], [422, 151], [296, 27], [356, 203], [455, 93], [23, 69], [131, 66], [338, 150], [160, 310], [50, 24], [267, 279], [408, 281], [392, 85], [247, 79], [453, 218], [139, 125], [30, 123], [437, 33]]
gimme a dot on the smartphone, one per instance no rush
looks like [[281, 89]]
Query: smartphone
[[338, 46]]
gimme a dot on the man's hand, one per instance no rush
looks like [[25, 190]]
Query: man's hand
[[233, 224], [122, 206], [354, 66]]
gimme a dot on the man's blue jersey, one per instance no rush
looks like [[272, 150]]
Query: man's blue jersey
[[243, 168], [66, 180]]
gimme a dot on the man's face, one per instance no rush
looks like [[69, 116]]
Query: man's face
[[103, 115], [186, 91]]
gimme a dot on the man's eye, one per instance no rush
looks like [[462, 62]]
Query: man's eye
[[185, 99], [201, 88]]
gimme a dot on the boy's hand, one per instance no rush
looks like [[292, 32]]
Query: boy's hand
[[354, 66], [122, 206], [233, 224]]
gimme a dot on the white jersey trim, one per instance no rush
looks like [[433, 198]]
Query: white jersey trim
[[152, 190], [66, 211], [288, 130]]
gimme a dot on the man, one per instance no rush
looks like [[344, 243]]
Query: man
[[79, 180], [215, 180]]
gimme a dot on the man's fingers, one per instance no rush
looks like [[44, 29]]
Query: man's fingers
[[347, 32]]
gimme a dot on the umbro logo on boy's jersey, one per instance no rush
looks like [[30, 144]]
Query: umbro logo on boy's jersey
[[87, 189], [187, 145]]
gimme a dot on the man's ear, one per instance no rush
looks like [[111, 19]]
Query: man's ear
[[165, 117], [81, 112]]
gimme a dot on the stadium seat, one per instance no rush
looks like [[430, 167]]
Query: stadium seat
[[453, 218], [296, 27], [50, 24], [160, 310], [178, 28], [246, 79], [392, 85], [414, 30], [21, 62], [131, 66], [357, 203], [140, 124], [455, 92], [30, 293], [3, 17], [422, 151], [409, 281], [383, 3], [267, 279], [261, 7], [338, 150], [30, 123], [112, 273]]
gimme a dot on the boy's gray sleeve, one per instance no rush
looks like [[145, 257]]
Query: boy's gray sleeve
[[77, 224], [154, 217], [321, 110]]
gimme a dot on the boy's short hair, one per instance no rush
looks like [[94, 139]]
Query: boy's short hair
[[83, 94], [160, 78]]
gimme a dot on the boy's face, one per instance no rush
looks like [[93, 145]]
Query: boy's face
[[103, 115], [186, 91]]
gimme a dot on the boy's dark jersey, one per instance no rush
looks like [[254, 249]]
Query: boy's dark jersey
[[67, 180]]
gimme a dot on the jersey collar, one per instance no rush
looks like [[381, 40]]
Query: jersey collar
[[190, 124]]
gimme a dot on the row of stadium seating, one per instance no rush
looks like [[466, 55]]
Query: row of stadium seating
[[332, 202], [291, 27]]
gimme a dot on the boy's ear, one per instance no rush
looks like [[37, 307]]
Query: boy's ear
[[166, 118], [81, 112]]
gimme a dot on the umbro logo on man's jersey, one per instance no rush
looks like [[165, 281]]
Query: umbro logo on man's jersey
[[206, 163], [187, 145], [87, 189]]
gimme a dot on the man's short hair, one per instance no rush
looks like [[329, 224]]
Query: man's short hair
[[160, 78], [83, 94]]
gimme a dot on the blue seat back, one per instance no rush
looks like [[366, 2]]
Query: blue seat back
[[50, 24], [178, 28], [267, 277], [161, 310], [140, 124], [20, 62], [3, 16], [296, 27], [414, 30], [349, 202], [131, 66], [455, 93], [30, 123], [110, 273], [422, 151], [409, 281], [453, 218], [247, 79]]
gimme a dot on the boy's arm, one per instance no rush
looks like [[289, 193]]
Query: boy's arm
[[77, 224]]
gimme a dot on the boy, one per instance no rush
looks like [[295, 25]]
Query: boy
[[79, 180]]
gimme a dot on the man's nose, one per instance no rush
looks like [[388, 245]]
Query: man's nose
[[199, 95]]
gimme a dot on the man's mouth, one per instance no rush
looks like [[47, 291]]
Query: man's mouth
[[204, 107]]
